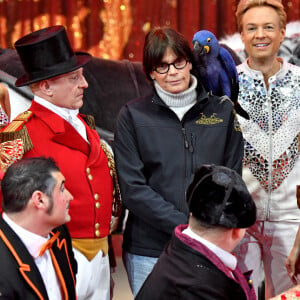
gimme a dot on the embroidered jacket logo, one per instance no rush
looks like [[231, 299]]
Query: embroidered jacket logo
[[212, 120]]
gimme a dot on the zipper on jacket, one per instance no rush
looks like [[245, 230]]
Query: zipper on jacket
[[191, 148], [270, 179], [189, 145], [186, 146], [193, 145], [186, 143]]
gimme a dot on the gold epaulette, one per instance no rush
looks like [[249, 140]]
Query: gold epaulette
[[117, 204], [16, 129], [90, 120]]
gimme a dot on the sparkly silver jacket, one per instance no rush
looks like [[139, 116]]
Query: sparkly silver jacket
[[272, 140]]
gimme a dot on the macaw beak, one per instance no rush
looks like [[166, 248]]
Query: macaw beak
[[200, 49], [207, 49]]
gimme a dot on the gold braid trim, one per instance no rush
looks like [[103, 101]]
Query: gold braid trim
[[20, 134], [117, 203], [17, 130], [90, 121]]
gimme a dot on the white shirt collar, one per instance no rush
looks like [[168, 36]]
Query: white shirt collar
[[61, 111], [32, 241], [227, 258], [70, 115]]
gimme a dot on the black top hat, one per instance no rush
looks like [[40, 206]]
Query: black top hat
[[47, 53], [219, 196]]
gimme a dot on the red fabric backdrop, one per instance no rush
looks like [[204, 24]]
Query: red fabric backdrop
[[116, 29]]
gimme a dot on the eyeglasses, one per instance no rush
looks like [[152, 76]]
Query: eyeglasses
[[178, 64]]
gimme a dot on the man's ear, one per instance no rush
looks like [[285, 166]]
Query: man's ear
[[45, 87], [39, 200], [242, 37], [237, 233], [282, 32]]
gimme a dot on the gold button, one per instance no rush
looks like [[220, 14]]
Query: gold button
[[97, 233], [96, 197], [90, 177], [98, 205], [114, 192], [97, 225], [88, 170], [111, 173], [109, 164]]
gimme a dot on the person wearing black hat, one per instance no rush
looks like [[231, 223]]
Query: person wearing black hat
[[197, 263], [53, 127]]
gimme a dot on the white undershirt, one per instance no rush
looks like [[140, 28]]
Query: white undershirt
[[33, 243], [70, 115], [227, 258]]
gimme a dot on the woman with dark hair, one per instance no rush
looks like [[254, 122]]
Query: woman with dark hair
[[161, 140]]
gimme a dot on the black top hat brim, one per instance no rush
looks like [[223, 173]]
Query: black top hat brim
[[81, 59]]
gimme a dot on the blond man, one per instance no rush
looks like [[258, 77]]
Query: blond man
[[269, 92]]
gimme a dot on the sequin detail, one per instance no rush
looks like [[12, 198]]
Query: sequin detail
[[3, 118], [272, 133]]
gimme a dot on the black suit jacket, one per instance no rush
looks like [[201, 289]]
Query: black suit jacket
[[183, 272], [19, 275]]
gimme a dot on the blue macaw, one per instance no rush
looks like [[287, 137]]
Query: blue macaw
[[216, 68]]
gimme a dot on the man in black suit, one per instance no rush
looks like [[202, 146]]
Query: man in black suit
[[37, 261]]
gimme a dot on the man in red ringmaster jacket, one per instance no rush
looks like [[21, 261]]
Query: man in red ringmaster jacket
[[53, 127]]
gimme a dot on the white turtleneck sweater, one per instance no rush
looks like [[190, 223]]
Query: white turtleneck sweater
[[180, 103]]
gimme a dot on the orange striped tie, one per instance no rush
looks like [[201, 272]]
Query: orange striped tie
[[49, 243]]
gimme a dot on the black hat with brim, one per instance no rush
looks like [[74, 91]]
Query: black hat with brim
[[47, 53]]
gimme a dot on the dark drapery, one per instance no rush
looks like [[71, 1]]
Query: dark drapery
[[116, 29]]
